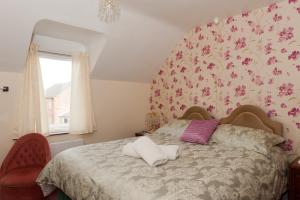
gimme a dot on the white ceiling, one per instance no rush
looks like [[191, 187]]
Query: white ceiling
[[18, 18], [48, 32], [188, 13], [136, 46]]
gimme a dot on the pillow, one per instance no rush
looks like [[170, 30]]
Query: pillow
[[175, 127], [199, 131], [249, 138]]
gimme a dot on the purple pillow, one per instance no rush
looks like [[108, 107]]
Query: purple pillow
[[199, 131]]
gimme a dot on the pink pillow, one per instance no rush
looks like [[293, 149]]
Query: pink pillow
[[199, 131]]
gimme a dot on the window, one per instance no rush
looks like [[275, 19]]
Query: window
[[56, 75]]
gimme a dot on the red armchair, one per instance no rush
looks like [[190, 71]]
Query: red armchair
[[22, 166]]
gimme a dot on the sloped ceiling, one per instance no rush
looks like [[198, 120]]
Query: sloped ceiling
[[18, 19], [188, 13], [92, 42], [136, 45]]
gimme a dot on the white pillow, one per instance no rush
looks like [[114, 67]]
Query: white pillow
[[249, 138], [175, 127]]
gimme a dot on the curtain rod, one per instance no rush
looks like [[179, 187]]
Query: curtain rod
[[53, 53]]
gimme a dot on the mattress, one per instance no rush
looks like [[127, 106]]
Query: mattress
[[202, 172]]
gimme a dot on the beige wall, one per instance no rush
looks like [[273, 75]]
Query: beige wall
[[120, 108], [7, 110]]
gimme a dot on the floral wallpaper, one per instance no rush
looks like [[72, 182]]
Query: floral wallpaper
[[252, 58]]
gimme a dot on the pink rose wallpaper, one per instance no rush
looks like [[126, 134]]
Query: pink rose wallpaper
[[252, 58]]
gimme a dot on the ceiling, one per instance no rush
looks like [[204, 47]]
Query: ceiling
[[188, 13], [56, 37], [135, 46]]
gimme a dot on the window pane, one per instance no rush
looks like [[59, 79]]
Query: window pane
[[56, 74]]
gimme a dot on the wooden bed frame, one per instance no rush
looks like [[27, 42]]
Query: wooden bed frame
[[246, 115], [196, 113], [253, 117]]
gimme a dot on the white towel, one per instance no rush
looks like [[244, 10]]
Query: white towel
[[150, 151], [129, 150], [171, 151]]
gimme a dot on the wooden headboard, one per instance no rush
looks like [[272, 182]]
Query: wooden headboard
[[196, 113], [253, 117]]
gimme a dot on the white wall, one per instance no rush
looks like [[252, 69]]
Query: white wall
[[7, 110], [120, 109]]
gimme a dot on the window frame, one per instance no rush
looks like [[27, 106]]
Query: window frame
[[61, 57]]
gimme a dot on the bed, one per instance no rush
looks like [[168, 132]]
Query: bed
[[202, 172]]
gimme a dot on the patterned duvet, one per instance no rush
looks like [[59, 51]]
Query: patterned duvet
[[202, 172]]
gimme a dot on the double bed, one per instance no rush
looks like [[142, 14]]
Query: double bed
[[206, 172]]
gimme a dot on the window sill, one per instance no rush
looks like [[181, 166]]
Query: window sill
[[57, 134], [49, 135]]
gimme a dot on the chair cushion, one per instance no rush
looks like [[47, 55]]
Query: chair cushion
[[23, 177]]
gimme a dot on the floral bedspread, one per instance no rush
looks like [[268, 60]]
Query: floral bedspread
[[207, 172]]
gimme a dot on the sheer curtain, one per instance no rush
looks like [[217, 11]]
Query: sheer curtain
[[32, 113], [81, 111]]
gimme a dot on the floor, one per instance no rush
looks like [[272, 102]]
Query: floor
[[58, 195]]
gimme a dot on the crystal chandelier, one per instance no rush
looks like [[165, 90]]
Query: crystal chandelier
[[109, 10]]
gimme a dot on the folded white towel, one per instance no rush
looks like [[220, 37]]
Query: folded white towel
[[150, 151], [129, 150], [171, 151]]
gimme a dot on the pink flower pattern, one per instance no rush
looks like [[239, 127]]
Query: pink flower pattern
[[233, 75], [206, 50], [247, 61], [206, 91], [286, 34], [287, 145], [240, 43], [286, 90], [272, 60], [272, 7], [253, 58], [179, 55], [240, 91], [245, 14], [227, 55], [272, 113], [257, 80], [268, 101], [229, 20], [292, 1], [268, 48], [294, 112], [294, 55], [277, 71], [277, 18]]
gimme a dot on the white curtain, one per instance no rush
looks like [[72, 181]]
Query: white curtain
[[81, 111], [32, 113]]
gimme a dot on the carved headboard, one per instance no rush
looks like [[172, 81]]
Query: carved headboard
[[196, 113], [253, 117]]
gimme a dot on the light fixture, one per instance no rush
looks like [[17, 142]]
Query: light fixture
[[216, 20], [109, 10], [152, 122]]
